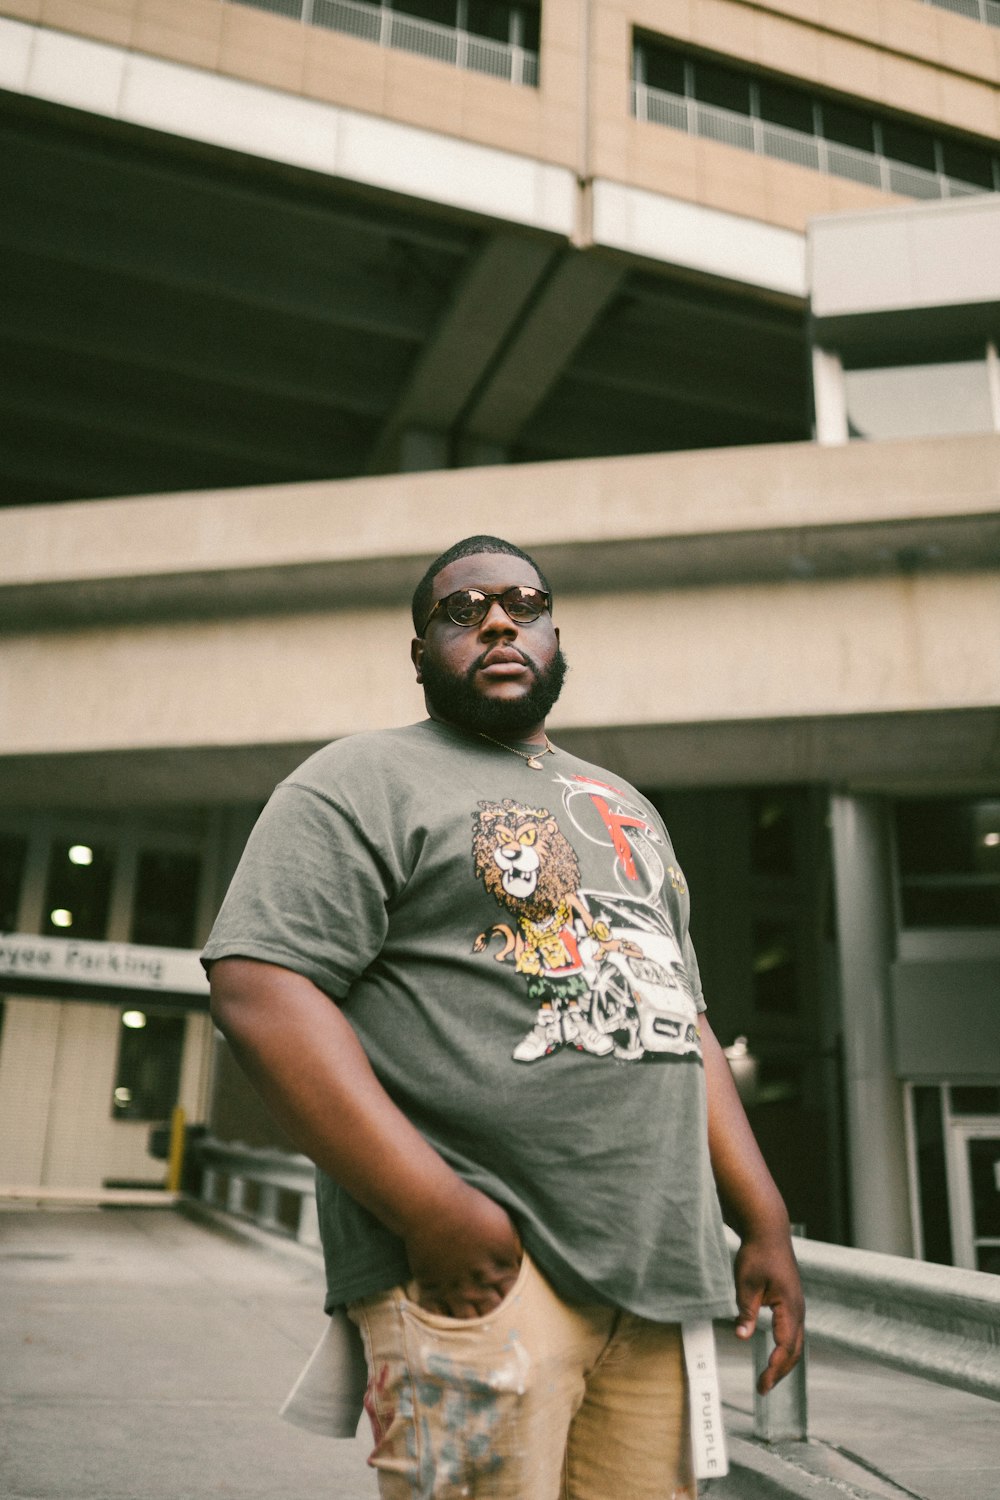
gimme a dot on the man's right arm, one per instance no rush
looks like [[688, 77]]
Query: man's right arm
[[303, 1058]]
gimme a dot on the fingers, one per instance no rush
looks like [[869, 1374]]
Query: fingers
[[789, 1338], [465, 1301], [748, 1300], [788, 1328]]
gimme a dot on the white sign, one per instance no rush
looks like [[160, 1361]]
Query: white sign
[[107, 965]]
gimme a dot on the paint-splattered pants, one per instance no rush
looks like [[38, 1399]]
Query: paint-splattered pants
[[538, 1400]]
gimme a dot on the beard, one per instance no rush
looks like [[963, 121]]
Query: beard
[[458, 701]]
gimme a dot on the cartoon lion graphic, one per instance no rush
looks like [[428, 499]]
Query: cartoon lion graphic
[[530, 868]]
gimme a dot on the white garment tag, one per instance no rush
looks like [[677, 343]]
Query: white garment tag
[[708, 1438]]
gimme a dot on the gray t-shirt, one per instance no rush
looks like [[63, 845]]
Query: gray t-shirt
[[511, 947]]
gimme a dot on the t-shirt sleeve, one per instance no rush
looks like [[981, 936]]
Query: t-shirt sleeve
[[309, 893]]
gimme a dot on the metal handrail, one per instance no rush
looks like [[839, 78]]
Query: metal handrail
[[976, 10], [941, 1322], [233, 1173], [394, 28], [748, 133]]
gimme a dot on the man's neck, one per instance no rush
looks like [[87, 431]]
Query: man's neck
[[535, 735]]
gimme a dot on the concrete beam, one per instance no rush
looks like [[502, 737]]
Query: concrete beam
[[486, 308], [710, 655], [935, 754], [560, 318]]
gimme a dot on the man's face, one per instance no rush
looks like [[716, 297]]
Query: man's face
[[498, 677]]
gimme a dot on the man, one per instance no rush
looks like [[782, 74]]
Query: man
[[455, 962]]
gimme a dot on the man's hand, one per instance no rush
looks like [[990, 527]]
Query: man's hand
[[765, 1271], [767, 1275], [466, 1258]]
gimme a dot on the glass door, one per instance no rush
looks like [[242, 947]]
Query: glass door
[[974, 1183]]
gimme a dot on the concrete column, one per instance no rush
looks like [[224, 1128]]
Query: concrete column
[[829, 397], [873, 1095]]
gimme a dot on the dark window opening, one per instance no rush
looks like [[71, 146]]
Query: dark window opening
[[948, 850], [907, 144], [846, 126], [772, 833], [789, 107], [661, 69], [149, 1065], [967, 163], [13, 858], [975, 1099], [932, 1175], [775, 968], [784, 106], [723, 87], [166, 899], [440, 11], [78, 893]]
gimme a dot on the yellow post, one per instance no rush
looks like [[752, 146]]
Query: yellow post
[[175, 1162]]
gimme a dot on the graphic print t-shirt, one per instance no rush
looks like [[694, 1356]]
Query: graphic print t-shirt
[[511, 947]]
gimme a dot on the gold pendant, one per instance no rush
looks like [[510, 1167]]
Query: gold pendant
[[533, 763]]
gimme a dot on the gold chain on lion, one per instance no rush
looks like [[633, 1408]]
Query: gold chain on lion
[[532, 761]]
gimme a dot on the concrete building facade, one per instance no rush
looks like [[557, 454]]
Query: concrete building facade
[[698, 300]]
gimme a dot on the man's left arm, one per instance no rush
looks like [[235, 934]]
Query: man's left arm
[[766, 1273]]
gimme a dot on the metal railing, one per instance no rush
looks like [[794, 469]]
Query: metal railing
[[393, 28], [935, 1321], [940, 1322], [785, 144], [976, 10], [275, 1190]]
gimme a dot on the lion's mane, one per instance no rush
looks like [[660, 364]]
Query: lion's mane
[[559, 870]]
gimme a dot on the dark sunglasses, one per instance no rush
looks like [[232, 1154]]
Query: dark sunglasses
[[471, 606]]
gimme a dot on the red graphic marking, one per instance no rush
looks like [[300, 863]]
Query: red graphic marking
[[592, 781], [616, 823]]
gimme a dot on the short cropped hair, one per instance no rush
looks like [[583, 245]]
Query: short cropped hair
[[470, 546]]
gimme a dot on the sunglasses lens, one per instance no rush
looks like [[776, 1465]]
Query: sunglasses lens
[[471, 606], [523, 604], [467, 607]]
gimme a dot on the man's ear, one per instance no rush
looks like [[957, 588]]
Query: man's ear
[[417, 655]]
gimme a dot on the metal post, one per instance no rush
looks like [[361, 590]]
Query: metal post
[[782, 1416], [175, 1161]]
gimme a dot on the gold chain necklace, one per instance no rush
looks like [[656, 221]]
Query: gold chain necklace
[[533, 761]]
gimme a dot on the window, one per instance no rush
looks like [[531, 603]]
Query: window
[[907, 144], [883, 150], [846, 126], [166, 899], [775, 971], [967, 163], [948, 852], [149, 1065], [723, 87], [784, 106], [772, 832], [13, 855], [78, 893], [396, 23], [662, 70], [931, 1173]]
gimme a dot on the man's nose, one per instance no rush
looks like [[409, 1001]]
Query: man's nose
[[497, 621]]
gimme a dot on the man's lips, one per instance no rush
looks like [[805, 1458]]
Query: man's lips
[[503, 661]]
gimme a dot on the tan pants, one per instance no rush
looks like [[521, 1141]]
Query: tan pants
[[538, 1400]]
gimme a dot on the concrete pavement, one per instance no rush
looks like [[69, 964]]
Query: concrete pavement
[[143, 1356]]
